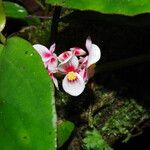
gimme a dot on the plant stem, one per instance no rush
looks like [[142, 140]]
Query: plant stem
[[54, 25], [122, 63], [40, 17], [40, 4]]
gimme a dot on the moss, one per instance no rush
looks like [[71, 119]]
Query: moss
[[94, 141], [123, 120], [114, 117], [105, 103]]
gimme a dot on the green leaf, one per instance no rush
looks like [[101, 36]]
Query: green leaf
[[1, 48], [94, 141], [14, 10], [64, 130], [126, 7], [2, 17], [27, 110]]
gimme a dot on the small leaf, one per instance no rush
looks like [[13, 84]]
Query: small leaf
[[64, 130], [14, 10], [27, 110], [2, 17], [126, 7]]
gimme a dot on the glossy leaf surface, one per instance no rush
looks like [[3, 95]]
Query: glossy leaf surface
[[27, 110], [14, 10]]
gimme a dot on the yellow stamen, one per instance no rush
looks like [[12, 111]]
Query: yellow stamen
[[71, 76]]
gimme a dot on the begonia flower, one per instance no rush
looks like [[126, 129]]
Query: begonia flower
[[73, 82], [75, 64]]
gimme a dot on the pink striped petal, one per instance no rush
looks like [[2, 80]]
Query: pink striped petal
[[70, 64], [84, 74], [54, 79], [94, 55], [74, 87], [43, 51], [65, 56], [55, 82], [78, 51], [52, 64], [83, 62]]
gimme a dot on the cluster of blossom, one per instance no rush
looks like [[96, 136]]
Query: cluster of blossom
[[74, 64]]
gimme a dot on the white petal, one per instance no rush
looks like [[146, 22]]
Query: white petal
[[94, 55], [88, 43], [65, 56], [74, 62], [74, 88], [52, 48], [69, 65], [78, 51], [43, 51]]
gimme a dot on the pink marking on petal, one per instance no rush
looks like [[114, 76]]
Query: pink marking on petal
[[83, 62], [77, 52], [46, 55], [52, 60], [84, 74], [54, 79], [65, 55], [69, 68]]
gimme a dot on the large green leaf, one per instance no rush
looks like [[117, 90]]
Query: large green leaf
[[14, 10], [2, 17], [1, 48], [126, 7], [27, 110]]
